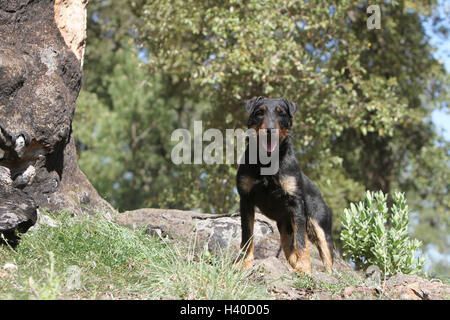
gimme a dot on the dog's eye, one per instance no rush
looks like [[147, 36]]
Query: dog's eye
[[259, 113], [280, 111]]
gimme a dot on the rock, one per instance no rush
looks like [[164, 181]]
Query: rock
[[73, 278], [276, 275], [273, 267], [373, 277], [348, 292], [215, 232], [10, 267], [324, 277], [363, 293], [411, 287], [8, 270], [44, 220]]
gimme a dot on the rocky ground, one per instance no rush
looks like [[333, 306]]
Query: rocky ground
[[216, 232], [345, 284]]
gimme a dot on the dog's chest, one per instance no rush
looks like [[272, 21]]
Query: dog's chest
[[276, 186], [274, 195]]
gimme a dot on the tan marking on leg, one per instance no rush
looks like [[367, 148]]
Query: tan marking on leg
[[249, 248], [298, 259], [289, 184], [247, 262], [246, 183], [318, 237], [289, 251], [304, 257]]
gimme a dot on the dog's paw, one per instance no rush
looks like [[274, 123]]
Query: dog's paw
[[304, 270], [247, 264]]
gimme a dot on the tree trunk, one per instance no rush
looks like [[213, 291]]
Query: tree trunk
[[41, 57]]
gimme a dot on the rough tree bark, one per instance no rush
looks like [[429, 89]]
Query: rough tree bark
[[41, 55]]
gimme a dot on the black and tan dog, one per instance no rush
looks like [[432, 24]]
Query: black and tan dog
[[289, 197]]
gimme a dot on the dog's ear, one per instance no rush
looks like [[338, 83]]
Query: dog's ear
[[251, 104], [292, 106]]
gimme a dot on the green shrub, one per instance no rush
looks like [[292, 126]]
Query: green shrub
[[374, 235]]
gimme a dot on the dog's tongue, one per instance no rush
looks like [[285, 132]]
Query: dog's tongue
[[270, 147], [270, 143]]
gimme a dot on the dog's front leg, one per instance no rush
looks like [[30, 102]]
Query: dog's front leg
[[295, 241], [247, 210]]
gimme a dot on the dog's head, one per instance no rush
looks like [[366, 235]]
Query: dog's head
[[269, 116]]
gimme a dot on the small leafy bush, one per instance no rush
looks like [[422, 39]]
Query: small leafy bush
[[374, 235]]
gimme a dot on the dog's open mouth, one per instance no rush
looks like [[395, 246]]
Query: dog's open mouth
[[269, 141]]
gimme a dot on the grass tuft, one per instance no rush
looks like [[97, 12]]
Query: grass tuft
[[90, 257]]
